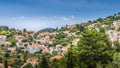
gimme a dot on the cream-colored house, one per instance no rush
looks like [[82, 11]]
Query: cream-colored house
[[116, 24], [2, 39]]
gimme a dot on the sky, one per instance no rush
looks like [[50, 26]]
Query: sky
[[39, 14]]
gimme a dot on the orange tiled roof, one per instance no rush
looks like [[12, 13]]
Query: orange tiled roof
[[20, 43], [19, 36], [33, 45], [56, 57], [45, 49], [44, 33], [32, 31], [33, 60], [114, 31], [9, 67], [12, 48]]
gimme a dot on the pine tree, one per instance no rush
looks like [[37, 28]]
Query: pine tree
[[70, 59], [94, 47], [44, 62], [28, 66], [6, 64]]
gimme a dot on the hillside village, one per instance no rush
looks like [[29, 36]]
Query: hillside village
[[22, 47]]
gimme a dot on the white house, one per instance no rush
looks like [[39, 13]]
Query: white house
[[2, 39], [20, 44], [34, 48], [74, 42], [114, 36], [58, 47], [12, 50], [64, 49], [51, 49], [116, 24]]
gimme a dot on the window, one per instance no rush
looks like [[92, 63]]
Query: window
[[117, 34]]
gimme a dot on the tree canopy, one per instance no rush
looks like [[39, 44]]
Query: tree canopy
[[94, 47]]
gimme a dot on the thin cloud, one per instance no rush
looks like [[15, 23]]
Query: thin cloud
[[13, 18], [65, 18], [39, 22], [72, 17], [22, 17]]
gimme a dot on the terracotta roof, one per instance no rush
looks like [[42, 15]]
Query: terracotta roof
[[12, 48], [45, 50], [32, 31], [32, 60], [44, 33], [20, 43], [33, 45], [1, 65], [9, 67], [56, 57], [70, 26], [20, 37], [114, 31]]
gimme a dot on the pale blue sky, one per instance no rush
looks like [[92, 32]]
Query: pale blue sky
[[39, 14]]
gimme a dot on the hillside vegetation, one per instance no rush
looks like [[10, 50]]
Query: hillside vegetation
[[91, 44]]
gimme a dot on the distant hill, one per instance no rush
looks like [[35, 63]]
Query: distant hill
[[46, 30]]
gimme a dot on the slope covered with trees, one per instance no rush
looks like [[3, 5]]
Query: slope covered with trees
[[84, 45]]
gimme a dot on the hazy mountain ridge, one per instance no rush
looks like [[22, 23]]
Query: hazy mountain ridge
[[46, 30]]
